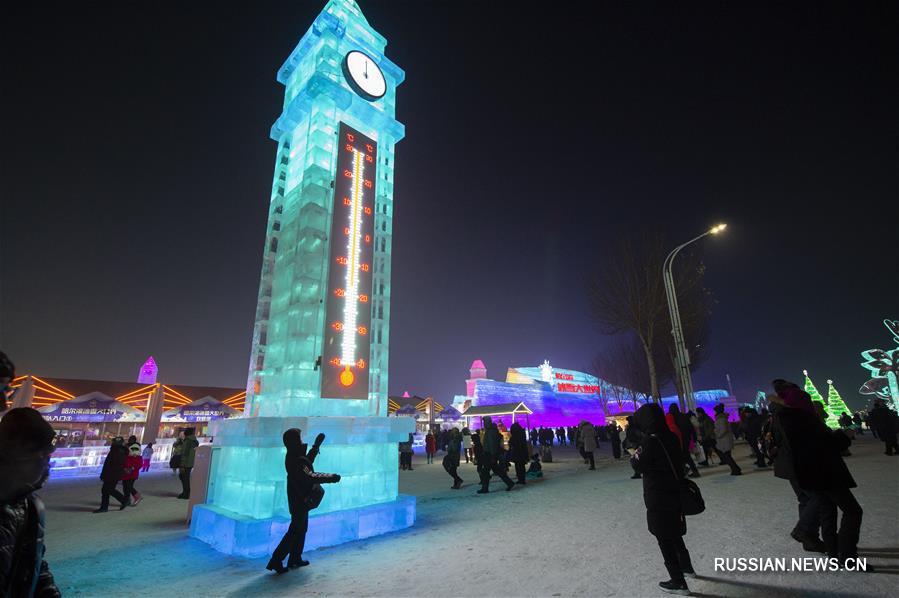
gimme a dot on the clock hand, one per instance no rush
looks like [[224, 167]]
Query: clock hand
[[366, 69]]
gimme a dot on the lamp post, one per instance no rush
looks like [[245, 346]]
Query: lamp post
[[682, 356]]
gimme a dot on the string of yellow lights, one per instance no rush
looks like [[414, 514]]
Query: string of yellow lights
[[239, 397], [44, 386], [175, 393], [142, 392]]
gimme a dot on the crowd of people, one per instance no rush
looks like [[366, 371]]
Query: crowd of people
[[495, 450], [791, 437], [125, 461]]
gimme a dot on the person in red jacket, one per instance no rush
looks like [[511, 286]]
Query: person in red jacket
[[430, 446], [679, 424], [133, 464], [671, 422]]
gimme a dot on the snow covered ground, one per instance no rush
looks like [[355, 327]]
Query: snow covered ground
[[576, 532]]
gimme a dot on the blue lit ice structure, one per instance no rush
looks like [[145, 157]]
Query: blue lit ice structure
[[248, 513], [320, 343]]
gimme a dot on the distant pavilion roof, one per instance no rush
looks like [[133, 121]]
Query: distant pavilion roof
[[418, 403], [49, 391], [501, 409]]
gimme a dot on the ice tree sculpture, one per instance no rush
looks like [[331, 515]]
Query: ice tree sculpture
[[884, 368], [835, 406], [813, 392]]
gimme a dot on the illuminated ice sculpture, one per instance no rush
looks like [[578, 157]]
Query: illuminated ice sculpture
[[320, 342], [148, 372], [884, 369]]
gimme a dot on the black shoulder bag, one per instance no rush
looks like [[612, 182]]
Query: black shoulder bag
[[316, 494], [691, 502]]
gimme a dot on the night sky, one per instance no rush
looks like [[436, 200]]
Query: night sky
[[137, 167]]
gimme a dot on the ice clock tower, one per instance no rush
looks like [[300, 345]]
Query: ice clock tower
[[320, 342]]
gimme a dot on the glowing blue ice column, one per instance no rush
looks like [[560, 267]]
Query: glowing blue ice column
[[329, 232]]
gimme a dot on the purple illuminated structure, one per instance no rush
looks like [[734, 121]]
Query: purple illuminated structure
[[559, 397], [148, 372], [556, 397]]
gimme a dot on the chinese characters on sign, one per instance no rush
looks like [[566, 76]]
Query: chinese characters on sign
[[571, 386], [94, 410], [579, 388], [346, 348]]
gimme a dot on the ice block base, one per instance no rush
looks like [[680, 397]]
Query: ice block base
[[240, 535]]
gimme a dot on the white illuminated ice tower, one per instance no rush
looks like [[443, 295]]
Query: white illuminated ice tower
[[320, 343]]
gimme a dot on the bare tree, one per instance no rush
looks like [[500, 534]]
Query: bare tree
[[624, 366], [627, 294]]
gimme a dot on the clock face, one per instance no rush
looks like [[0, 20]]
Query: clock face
[[364, 76]]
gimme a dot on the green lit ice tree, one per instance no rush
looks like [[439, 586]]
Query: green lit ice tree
[[813, 392], [835, 406]]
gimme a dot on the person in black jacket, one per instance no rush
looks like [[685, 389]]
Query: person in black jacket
[[659, 460], [491, 448], [111, 474], [752, 423], [7, 375], [451, 459], [303, 495], [26, 442], [806, 529], [477, 453], [518, 446], [857, 420], [883, 422], [614, 433], [819, 469]]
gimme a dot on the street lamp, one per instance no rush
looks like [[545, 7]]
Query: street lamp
[[682, 356]]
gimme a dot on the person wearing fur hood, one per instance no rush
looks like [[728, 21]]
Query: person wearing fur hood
[[304, 493]]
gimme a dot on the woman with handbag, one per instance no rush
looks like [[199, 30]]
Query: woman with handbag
[[659, 461], [304, 493]]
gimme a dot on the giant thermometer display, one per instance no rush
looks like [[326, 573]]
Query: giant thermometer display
[[346, 349]]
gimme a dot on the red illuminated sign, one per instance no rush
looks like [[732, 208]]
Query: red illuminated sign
[[346, 349], [578, 388], [564, 376]]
